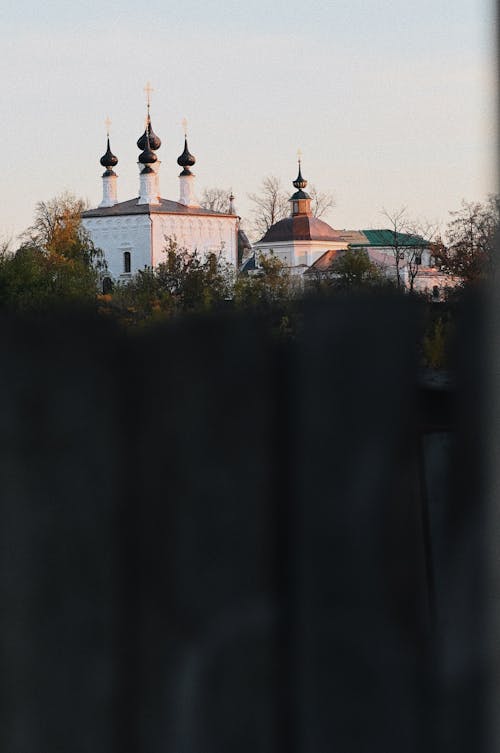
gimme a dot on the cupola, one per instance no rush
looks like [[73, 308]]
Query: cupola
[[108, 159], [300, 200], [186, 159], [109, 177], [147, 157], [154, 140], [187, 193]]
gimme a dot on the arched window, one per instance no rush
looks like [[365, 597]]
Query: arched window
[[126, 262], [107, 285]]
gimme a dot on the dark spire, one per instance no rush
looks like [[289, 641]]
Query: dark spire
[[186, 159], [108, 160], [299, 181], [147, 156]]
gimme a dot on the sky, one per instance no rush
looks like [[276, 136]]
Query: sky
[[391, 102]]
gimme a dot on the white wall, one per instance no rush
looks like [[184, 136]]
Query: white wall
[[293, 253], [193, 232], [115, 235], [144, 237]]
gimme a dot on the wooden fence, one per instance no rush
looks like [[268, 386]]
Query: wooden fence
[[211, 541]]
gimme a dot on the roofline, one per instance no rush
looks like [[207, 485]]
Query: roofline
[[88, 213]]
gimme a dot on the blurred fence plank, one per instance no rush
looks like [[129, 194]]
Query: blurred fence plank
[[211, 541]]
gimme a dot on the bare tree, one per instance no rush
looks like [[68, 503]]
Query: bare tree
[[269, 205], [420, 236], [322, 201], [215, 199], [5, 246], [407, 240]]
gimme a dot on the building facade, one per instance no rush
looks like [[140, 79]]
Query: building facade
[[308, 245], [134, 234]]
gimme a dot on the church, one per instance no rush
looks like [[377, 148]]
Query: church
[[133, 234], [308, 246]]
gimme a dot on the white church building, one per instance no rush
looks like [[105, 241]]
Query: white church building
[[133, 234], [308, 246]]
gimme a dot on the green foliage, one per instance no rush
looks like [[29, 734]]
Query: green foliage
[[184, 283], [353, 269], [56, 264], [272, 292], [271, 283], [469, 251]]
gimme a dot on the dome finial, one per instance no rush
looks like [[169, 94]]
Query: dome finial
[[148, 90]]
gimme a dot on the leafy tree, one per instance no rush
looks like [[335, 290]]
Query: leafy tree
[[353, 269], [56, 263], [32, 279], [468, 251], [272, 292], [57, 229], [185, 282]]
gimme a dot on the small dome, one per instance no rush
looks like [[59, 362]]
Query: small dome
[[186, 159], [299, 181], [108, 160], [154, 140], [147, 157]]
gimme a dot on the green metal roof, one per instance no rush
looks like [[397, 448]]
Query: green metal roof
[[386, 237]]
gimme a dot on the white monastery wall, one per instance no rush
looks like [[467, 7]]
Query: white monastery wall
[[117, 235], [144, 238], [298, 252], [204, 234]]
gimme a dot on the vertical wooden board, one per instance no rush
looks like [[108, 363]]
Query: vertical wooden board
[[361, 610], [58, 470], [465, 659], [204, 542]]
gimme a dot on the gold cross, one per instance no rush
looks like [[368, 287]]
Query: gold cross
[[299, 155], [148, 89], [184, 124], [107, 123]]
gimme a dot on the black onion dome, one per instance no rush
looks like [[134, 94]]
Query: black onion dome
[[186, 159], [108, 160], [154, 140], [299, 181], [147, 157]]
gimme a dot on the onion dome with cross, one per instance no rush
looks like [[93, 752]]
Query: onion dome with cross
[[154, 140]]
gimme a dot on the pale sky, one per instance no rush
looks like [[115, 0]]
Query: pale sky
[[391, 102]]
